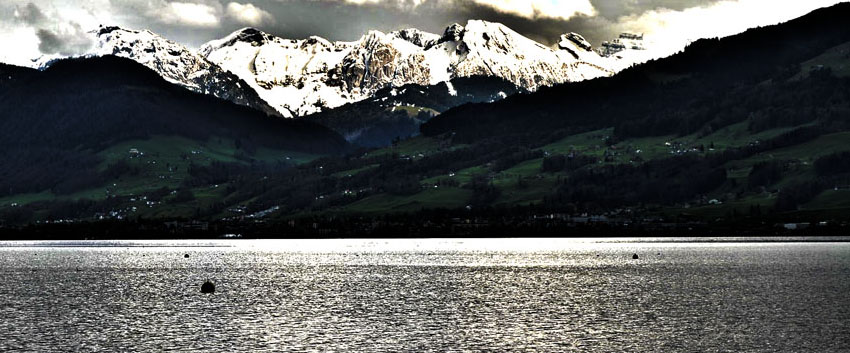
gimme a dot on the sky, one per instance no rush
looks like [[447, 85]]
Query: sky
[[31, 28]]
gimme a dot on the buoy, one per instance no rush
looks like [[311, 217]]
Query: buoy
[[635, 257], [208, 287], [186, 256]]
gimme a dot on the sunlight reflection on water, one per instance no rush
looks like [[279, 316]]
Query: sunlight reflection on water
[[425, 295]]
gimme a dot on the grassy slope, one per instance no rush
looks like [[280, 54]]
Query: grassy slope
[[428, 198], [413, 111], [164, 162], [837, 59], [525, 183]]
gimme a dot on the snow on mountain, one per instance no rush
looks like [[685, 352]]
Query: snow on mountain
[[492, 49], [301, 77], [177, 64], [295, 78], [626, 50]]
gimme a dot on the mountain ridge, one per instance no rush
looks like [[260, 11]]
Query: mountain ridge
[[307, 76], [177, 64], [299, 77]]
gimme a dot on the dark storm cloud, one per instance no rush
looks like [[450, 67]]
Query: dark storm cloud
[[346, 20], [613, 10], [49, 42], [340, 20], [337, 20], [71, 42], [30, 14]]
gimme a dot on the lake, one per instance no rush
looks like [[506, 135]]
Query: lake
[[462, 295]]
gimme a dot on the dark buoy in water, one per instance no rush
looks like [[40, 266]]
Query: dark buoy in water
[[635, 257], [185, 256], [208, 287]]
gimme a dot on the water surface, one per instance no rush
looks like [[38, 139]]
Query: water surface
[[533, 295]]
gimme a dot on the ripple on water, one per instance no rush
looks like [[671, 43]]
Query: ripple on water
[[777, 297]]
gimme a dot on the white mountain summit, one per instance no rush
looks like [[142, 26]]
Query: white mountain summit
[[300, 77], [177, 64]]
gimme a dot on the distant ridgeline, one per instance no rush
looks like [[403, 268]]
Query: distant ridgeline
[[745, 133]]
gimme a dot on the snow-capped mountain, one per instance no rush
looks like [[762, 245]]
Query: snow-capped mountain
[[301, 77], [177, 64], [294, 78]]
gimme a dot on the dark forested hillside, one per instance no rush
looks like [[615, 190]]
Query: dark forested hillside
[[679, 94], [54, 122], [9, 74]]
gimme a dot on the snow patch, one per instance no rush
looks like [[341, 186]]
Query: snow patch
[[452, 90]]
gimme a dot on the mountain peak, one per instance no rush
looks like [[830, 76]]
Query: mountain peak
[[574, 39], [103, 30], [453, 33], [417, 37], [250, 35]]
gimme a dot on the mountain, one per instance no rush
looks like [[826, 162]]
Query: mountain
[[57, 126], [177, 64], [301, 77], [395, 113], [671, 95], [294, 78]]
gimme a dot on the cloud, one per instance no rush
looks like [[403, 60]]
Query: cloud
[[30, 14], [558, 9], [65, 41], [671, 30], [55, 34], [190, 14], [248, 14]]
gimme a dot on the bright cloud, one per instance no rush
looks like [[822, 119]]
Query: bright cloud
[[191, 14], [248, 14], [671, 30], [20, 46]]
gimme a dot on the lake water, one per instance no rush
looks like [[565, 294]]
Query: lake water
[[504, 295]]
